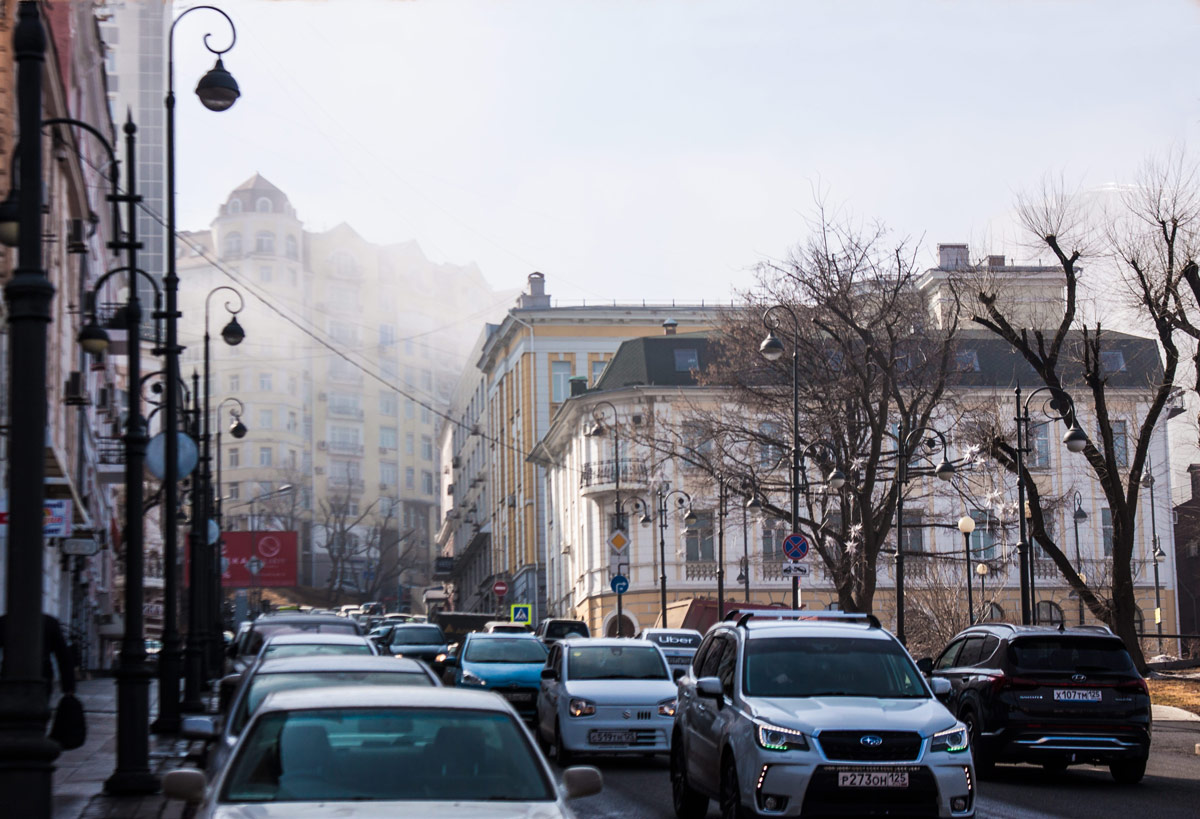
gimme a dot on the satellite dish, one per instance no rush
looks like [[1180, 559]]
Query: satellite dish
[[188, 455]]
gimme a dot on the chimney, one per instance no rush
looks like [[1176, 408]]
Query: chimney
[[953, 257], [578, 384], [1194, 473], [670, 326], [536, 298]]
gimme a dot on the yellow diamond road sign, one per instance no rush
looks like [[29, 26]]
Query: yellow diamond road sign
[[618, 540]]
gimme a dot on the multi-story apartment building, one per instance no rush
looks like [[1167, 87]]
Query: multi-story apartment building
[[345, 372], [527, 363], [84, 393], [650, 382]]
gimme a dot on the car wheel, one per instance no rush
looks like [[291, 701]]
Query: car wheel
[[688, 803], [984, 765], [562, 757], [1128, 771], [731, 793]]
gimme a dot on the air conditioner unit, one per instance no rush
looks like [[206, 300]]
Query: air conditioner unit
[[74, 394], [320, 396], [475, 430], [512, 500], [102, 399], [321, 445], [320, 470], [636, 419], [456, 462]]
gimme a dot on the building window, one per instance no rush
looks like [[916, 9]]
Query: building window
[[264, 382], [291, 422], [696, 438], [389, 369], [266, 419], [1049, 613], [597, 371], [560, 381], [1039, 446], [913, 534], [235, 382], [291, 459], [426, 415], [427, 447], [234, 490], [409, 444], [983, 542], [699, 538], [265, 274], [770, 453], [387, 437], [686, 360], [344, 437], [264, 456], [263, 205], [1120, 443], [388, 405], [235, 457], [387, 334], [1111, 361], [1106, 531], [772, 543], [410, 479], [233, 245], [264, 242], [427, 482], [410, 409], [967, 361], [291, 249], [235, 207], [389, 473], [291, 385], [427, 380]]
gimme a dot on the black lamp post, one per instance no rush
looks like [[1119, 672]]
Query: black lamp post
[[684, 501], [1058, 406], [906, 441], [981, 569], [1156, 554], [238, 430], [217, 91], [596, 431], [772, 350], [723, 486], [966, 525], [1078, 516]]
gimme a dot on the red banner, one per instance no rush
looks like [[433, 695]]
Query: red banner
[[277, 559]]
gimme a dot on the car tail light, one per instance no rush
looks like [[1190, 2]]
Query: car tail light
[[1004, 683], [1137, 686]]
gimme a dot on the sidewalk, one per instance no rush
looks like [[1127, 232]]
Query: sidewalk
[[80, 774]]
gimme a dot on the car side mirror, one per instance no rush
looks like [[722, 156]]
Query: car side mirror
[[925, 665], [198, 728], [710, 687], [582, 780], [231, 650], [450, 662], [186, 784], [941, 688], [549, 673], [676, 673]]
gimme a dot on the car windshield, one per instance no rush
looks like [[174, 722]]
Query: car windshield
[[616, 663], [506, 651], [387, 754], [830, 667], [417, 636], [257, 635], [1070, 654], [263, 684], [276, 651], [676, 639], [557, 631]]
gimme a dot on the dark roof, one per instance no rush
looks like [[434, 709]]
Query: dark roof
[[651, 361], [996, 364]]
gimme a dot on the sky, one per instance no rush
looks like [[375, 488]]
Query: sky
[[661, 149]]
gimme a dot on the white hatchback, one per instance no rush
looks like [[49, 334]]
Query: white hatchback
[[605, 695], [384, 751]]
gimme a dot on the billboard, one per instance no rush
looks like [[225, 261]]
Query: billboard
[[276, 553]]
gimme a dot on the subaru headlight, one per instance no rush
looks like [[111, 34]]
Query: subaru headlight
[[578, 707], [954, 740], [666, 708], [774, 738], [472, 679]]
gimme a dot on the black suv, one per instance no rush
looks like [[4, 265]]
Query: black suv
[[1050, 696]]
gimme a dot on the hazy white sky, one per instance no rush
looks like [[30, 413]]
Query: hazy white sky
[[659, 149]]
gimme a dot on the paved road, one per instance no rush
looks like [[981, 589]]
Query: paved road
[[637, 789]]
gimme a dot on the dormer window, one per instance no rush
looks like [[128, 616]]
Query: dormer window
[[1112, 361], [235, 206], [686, 360], [263, 205]]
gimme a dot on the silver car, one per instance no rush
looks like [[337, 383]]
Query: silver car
[[605, 695], [376, 751], [678, 644], [786, 713]]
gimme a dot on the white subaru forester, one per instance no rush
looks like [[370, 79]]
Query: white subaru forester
[[784, 713]]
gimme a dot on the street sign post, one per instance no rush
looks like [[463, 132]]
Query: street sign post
[[618, 540], [521, 613], [795, 546], [794, 568], [620, 584], [500, 588]]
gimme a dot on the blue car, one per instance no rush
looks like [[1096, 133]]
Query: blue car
[[509, 664]]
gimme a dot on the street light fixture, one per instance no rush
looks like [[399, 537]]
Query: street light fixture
[[966, 525], [217, 91], [1078, 516], [683, 501], [772, 350], [981, 569], [1157, 554], [1058, 406]]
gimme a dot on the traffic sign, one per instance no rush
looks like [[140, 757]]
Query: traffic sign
[[794, 568], [254, 565], [618, 540], [521, 613], [795, 546], [620, 584], [499, 588]]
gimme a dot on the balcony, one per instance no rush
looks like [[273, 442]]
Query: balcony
[[346, 448], [700, 570], [344, 484], [601, 476], [342, 411], [110, 460]]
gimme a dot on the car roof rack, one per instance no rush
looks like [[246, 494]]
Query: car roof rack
[[779, 614]]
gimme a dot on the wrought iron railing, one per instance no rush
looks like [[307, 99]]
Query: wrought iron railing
[[602, 472], [700, 570]]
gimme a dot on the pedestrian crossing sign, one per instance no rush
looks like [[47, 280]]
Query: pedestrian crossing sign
[[521, 613]]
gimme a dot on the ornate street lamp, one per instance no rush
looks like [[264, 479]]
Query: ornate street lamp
[[1078, 516], [966, 525], [217, 91], [684, 502], [772, 350]]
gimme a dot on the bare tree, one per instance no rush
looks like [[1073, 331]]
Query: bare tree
[[869, 357], [367, 540], [1148, 244]]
